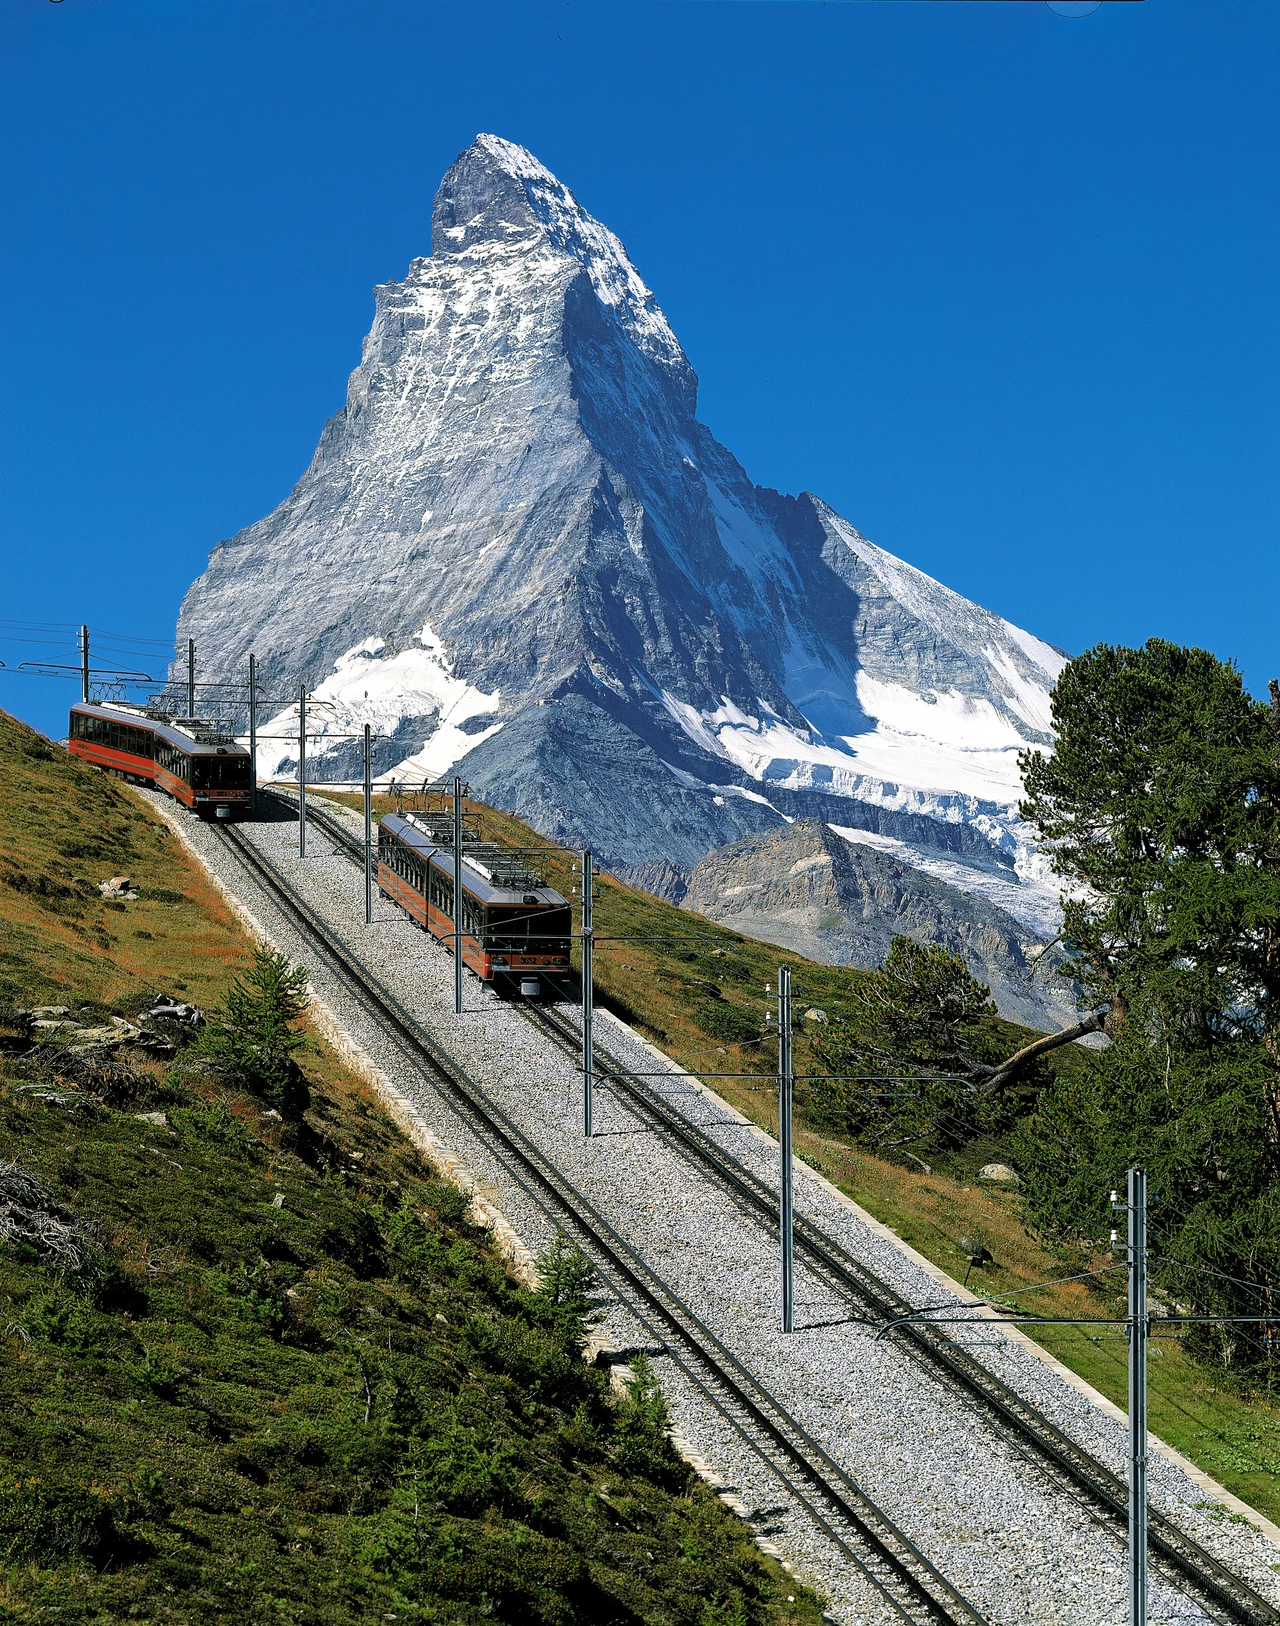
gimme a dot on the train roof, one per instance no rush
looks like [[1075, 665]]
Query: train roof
[[198, 736], [490, 873]]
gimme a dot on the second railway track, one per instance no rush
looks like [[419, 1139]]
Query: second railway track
[[1225, 1596]]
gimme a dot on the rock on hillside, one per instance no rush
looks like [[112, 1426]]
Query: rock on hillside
[[810, 890]]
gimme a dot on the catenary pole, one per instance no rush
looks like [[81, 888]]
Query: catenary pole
[[191, 677], [1138, 1327], [785, 1088], [457, 896], [368, 833], [84, 664], [253, 733], [588, 999], [302, 770]]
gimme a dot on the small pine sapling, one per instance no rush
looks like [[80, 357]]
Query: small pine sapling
[[254, 1030], [642, 1431]]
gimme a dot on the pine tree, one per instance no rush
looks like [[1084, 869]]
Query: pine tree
[[254, 1030], [1160, 807], [915, 1058]]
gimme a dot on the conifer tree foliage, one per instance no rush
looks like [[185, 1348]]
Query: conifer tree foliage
[[911, 1061], [1196, 1116], [254, 1031], [1160, 807]]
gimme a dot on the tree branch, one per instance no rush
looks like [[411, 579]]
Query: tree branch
[[998, 1077]]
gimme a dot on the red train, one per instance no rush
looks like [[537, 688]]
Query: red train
[[198, 766], [515, 931]]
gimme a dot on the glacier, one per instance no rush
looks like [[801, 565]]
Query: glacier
[[519, 556]]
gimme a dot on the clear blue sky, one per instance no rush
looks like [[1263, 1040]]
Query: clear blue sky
[[999, 285]]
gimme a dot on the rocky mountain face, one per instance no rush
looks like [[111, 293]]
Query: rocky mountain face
[[841, 902], [519, 556]]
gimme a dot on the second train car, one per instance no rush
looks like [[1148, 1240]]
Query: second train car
[[515, 931]]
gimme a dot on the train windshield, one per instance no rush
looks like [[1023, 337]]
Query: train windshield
[[529, 933], [220, 773]]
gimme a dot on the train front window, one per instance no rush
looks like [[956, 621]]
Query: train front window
[[542, 931], [220, 773]]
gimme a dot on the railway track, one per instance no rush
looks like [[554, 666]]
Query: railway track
[[898, 1571], [1074, 1470], [1225, 1596]]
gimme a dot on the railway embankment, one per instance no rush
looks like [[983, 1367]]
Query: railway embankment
[[261, 1365], [985, 1516]]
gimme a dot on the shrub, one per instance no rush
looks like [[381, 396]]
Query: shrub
[[41, 1522], [563, 1298], [720, 1020], [642, 1440]]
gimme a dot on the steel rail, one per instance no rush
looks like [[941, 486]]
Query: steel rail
[[1076, 1471], [1227, 1597], [889, 1560]]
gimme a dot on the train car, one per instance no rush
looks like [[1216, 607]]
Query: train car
[[189, 758], [515, 931]]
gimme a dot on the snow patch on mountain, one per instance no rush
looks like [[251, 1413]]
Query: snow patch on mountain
[[1033, 902], [934, 745], [370, 686]]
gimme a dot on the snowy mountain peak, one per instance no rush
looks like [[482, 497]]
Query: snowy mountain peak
[[516, 552], [498, 193]]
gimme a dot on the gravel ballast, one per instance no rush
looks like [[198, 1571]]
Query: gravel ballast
[[1017, 1549]]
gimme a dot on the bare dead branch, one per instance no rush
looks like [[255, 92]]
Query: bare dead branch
[[995, 1078]]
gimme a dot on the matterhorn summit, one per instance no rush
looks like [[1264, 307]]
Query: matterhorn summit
[[518, 554]]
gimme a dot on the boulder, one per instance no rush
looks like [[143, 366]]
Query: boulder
[[173, 1010], [1001, 1172], [117, 887]]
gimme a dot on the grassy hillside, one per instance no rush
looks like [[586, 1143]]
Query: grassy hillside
[[63, 828], [263, 1369], [692, 986]]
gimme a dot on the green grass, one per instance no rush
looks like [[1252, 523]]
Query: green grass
[[65, 826], [336, 1409], [293, 1383]]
